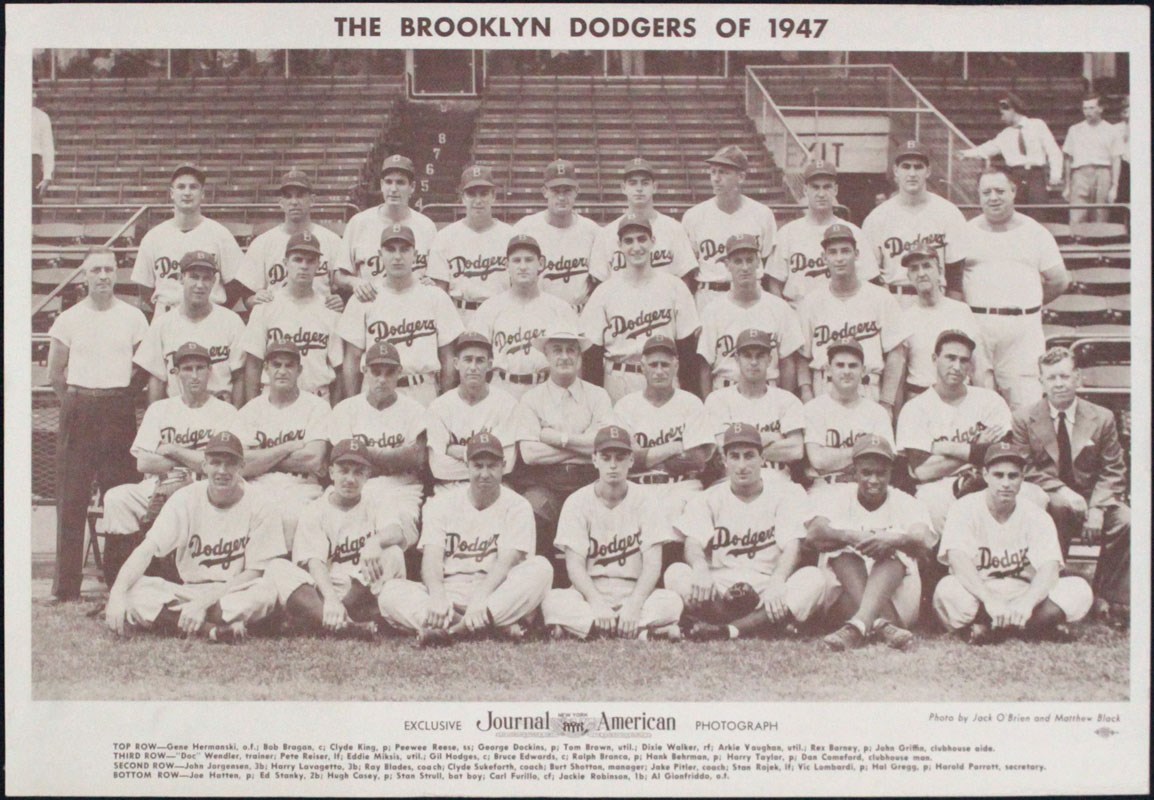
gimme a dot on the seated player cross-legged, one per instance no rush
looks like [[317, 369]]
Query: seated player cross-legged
[[869, 534], [349, 549], [743, 547], [611, 532], [478, 567]]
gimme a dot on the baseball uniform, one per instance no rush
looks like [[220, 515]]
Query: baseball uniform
[[831, 424], [453, 421], [925, 324], [474, 265], [468, 541], [264, 263], [157, 265], [928, 418], [1001, 551], [776, 411], [722, 321], [612, 540], [709, 228], [219, 332], [895, 227], [308, 323], [511, 324], [798, 259], [566, 252], [362, 244], [672, 252]]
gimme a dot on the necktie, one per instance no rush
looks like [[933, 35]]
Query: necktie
[[1021, 141], [1065, 458]]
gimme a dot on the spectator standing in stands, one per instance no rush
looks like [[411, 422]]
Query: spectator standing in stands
[[43, 152], [1093, 163], [90, 366], [1123, 195], [1029, 150]]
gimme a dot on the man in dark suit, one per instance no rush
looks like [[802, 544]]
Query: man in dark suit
[[1077, 471]]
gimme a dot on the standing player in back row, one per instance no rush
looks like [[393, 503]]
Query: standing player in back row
[[710, 224], [914, 216], [565, 237]]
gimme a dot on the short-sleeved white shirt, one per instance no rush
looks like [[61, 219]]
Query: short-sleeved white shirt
[[417, 322], [1004, 268], [1091, 145], [844, 510], [100, 343], [925, 324], [622, 316], [474, 265], [776, 411], [927, 418], [680, 419], [390, 428], [723, 320], [999, 549], [308, 323], [566, 252], [157, 265], [336, 536], [611, 539], [219, 332], [872, 316], [172, 421], [264, 425], [831, 424], [672, 252], [264, 263], [512, 324], [709, 228], [469, 540], [452, 421], [798, 259], [362, 243], [895, 228]]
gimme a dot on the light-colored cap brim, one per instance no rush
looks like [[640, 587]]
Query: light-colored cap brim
[[582, 342]]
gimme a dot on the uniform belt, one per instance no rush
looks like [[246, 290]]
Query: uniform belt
[[714, 286], [662, 478], [625, 366], [901, 288], [415, 379], [1006, 312], [468, 305], [120, 391], [525, 378]]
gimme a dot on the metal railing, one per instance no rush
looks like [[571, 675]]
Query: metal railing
[[788, 152]]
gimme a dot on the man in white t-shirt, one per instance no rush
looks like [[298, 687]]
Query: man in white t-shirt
[[611, 533], [743, 550], [1005, 562], [223, 533], [478, 569], [1093, 158], [869, 535]]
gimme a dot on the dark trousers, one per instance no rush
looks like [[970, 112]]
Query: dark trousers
[[1123, 184], [1112, 572], [37, 176], [1031, 183], [93, 443]]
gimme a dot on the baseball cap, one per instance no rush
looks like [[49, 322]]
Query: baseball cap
[[188, 168], [912, 149], [398, 162], [753, 338], [381, 352], [819, 167], [472, 339], [303, 242], [742, 241], [296, 177], [400, 232], [837, 233], [476, 175], [638, 165], [224, 442], [197, 258], [730, 156], [740, 433], [846, 345], [282, 346], [483, 443], [560, 334], [920, 250], [612, 437], [634, 221], [191, 350], [350, 450], [561, 173], [659, 342], [872, 445], [954, 335], [1003, 451], [523, 240]]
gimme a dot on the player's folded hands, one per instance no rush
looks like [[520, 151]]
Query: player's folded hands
[[702, 590], [192, 617], [476, 616], [334, 615], [627, 620], [604, 617], [437, 616]]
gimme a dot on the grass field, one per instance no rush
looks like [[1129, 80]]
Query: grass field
[[76, 658]]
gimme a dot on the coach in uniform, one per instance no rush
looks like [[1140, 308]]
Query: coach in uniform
[[90, 367]]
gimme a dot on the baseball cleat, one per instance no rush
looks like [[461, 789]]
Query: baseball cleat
[[707, 632], [1061, 633], [227, 634], [979, 634], [512, 633], [741, 599], [895, 637], [557, 633], [434, 637], [671, 632], [847, 637]]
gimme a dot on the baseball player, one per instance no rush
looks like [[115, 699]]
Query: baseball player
[[914, 216], [157, 267], [742, 548], [565, 237], [928, 316], [223, 533], [848, 307], [300, 314], [468, 258], [474, 407], [419, 320], [869, 535], [361, 271], [835, 421], [195, 319], [169, 449], [775, 413], [712, 223], [611, 533], [671, 251], [517, 316], [391, 428], [745, 306], [1004, 561], [798, 265], [946, 430], [348, 549], [639, 304], [1014, 268], [265, 267], [478, 569]]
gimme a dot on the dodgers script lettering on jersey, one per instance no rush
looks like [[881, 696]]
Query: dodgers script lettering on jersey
[[967, 436], [348, 551], [617, 550], [307, 341], [842, 439], [217, 354], [674, 434], [565, 269], [518, 341], [480, 267], [219, 554], [641, 325], [402, 332], [824, 334], [385, 441], [1010, 564], [192, 437], [464, 548], [727, 343], [264, 441], [747, 544], [895, 246]]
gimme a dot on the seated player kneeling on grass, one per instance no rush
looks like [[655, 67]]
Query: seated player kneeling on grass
[[224, 534], [611, 532], [349, 549], [743, 542], [1004, 561], [869, 534], [478, 567]]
